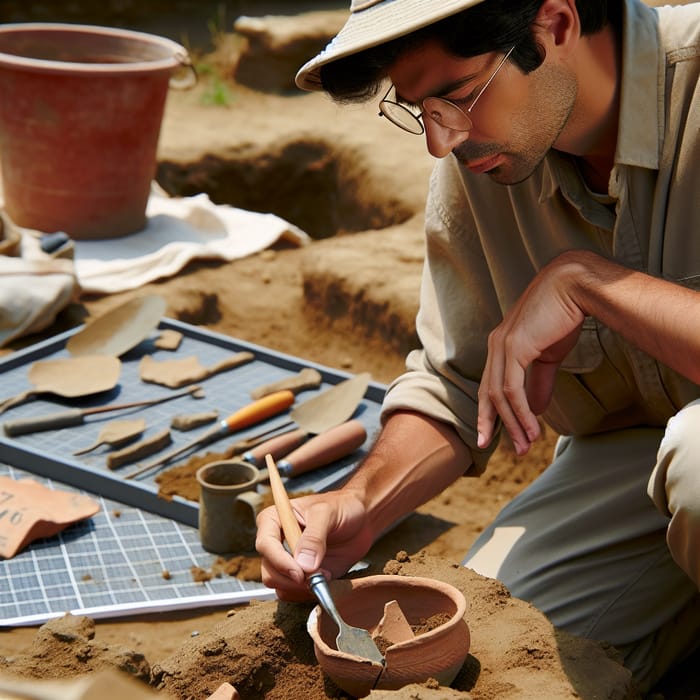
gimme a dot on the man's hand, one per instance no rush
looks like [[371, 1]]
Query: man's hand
[[335, 537], [414, 458], [524, 353]]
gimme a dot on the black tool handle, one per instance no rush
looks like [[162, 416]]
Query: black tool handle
[[50, 421]]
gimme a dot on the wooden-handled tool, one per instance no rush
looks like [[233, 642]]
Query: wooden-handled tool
[[251, 414], [351, 640], [76, 416], [323, 449], [295, 454]]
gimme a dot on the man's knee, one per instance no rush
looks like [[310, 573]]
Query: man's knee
[[674, 487]]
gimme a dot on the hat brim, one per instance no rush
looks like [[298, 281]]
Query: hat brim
[[376, 24]]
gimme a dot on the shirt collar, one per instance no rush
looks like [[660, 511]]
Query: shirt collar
[[641, 111], [641, 121]]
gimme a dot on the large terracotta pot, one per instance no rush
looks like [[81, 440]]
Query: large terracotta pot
[[80, 119]]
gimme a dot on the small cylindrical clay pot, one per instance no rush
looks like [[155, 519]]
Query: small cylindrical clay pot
[[437, 653], [228, 506]]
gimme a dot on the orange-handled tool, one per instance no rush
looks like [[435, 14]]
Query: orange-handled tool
[[253, 413], [257, 411]]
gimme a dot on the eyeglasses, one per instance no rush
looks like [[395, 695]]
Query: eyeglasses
[[444, 112]]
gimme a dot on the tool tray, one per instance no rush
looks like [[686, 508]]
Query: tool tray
[[50, 453]]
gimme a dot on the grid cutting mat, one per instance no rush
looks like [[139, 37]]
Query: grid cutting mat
[[50, 453], [113, 564]]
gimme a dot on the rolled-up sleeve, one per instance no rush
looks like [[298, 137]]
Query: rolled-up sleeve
[[458, 308]]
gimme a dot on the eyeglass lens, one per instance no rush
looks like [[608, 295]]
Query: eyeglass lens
[[445, 113], [401, 116]]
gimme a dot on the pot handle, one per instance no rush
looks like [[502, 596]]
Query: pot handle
[[186, 74]]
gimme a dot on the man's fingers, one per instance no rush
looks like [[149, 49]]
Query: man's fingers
[[312, 544], [286, 588], [268, 543], [502, 393], [487, 411], [539, 385]]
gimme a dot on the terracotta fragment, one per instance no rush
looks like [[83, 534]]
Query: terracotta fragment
[[393, 627], [116, 433], [139, 450], [70, 377], [179, 372], [168, 339], [191, 421], [119, 330], [307, 378]]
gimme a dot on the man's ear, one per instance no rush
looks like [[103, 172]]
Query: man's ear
[[557, 24]]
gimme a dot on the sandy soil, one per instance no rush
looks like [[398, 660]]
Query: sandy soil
[[346, 301]]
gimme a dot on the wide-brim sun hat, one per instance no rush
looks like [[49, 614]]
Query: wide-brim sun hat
[[374, 22]]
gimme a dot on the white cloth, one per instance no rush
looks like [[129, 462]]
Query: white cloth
[[32, 292], [36, 286], [179, 229]]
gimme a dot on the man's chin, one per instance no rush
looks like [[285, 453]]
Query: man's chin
[[505, 174]]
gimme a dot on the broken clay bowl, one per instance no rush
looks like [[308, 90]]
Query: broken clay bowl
[[437, 653]]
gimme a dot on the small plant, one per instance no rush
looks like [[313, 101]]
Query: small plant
[[216, 92]]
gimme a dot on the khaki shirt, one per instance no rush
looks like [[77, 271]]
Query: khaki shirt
[[485, 242]]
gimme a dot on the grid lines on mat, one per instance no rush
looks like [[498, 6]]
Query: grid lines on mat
[[118, 557]]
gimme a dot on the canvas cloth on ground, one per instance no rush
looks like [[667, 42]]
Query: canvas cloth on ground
[[178, 230], [32, 292]]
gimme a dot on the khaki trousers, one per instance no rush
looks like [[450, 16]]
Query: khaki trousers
[[606, 542]]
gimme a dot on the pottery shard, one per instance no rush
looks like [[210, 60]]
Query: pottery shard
[[193, 420], [141, 449], [168, 339], [393, 627], [225, 692], [180, 372], [306, 378]]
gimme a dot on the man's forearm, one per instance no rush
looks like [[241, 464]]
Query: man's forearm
[[659, 317], [414, 459]]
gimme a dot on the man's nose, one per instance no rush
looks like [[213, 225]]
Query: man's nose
[[441, 140]]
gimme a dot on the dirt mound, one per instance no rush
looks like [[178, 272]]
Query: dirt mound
[[264, 651]]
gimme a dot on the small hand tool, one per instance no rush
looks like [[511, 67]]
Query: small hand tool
[[257, 411], [116, 434], [76, 416], [332, 444], [351, 640], [314, 416], [70, 377], [319, 451]]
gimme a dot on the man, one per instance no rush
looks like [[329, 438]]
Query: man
[[563, 258]]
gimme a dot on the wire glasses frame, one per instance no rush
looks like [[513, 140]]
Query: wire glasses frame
[[442, 111]]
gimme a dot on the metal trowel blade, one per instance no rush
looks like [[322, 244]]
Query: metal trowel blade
[[331, 407]]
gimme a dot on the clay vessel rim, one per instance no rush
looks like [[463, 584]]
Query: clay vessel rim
[[388, 580], [384, 580], [224, 488]]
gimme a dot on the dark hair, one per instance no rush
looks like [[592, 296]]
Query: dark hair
[[492, 25]]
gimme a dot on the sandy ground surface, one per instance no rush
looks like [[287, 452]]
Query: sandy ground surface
[[346, 301]]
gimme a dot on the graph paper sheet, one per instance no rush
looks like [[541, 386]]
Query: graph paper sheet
[[113, 564]]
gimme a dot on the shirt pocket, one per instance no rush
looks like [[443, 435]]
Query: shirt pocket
[[587, 354]]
